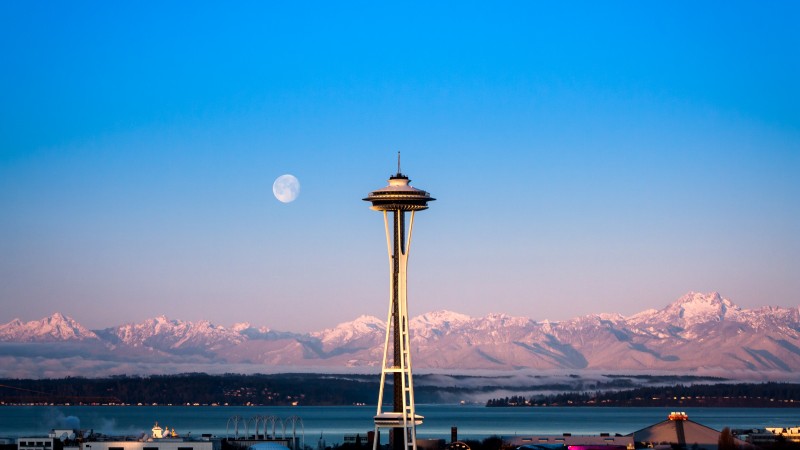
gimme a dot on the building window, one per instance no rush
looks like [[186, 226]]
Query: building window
[[185, 448], [116, 448], [150, 448]]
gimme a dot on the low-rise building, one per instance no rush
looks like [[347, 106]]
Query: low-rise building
[[57, 439], [679, 430], [150, 444], [39, 443], [770, 435], [606, 440]]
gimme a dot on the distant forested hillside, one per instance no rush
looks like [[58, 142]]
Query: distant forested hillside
[[780, 395], [322, 389], [232, 389]]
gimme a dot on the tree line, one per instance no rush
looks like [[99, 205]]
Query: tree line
[[322, 389], [770, 394], [231, 389]]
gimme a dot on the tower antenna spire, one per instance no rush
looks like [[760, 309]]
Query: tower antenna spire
[[398, 163]]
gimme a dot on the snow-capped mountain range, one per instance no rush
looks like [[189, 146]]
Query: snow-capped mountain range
[[698, 333]]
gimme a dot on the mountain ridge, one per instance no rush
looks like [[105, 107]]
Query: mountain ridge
[[697, 332]]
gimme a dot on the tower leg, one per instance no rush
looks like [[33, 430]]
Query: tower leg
[[397, 439], [402, 420]]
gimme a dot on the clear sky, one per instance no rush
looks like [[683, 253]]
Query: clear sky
[[586, 157]]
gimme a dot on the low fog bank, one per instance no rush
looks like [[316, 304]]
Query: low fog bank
[[451, 386], [479, 387]]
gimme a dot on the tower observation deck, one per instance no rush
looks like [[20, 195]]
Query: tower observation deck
[[398, 198]]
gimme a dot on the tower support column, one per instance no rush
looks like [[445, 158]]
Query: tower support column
[[398, 198]]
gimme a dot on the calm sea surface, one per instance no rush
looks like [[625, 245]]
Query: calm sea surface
[[333, 422]]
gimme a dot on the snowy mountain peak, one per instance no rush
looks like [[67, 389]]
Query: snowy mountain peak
[[439, 319], [506, 320], [56, 327], [692, 309], [694, 298], [642, 316], [698, 307], [56, 317], [363, 326], [698, 331], [241, 326], [161, 332], [365, 322]]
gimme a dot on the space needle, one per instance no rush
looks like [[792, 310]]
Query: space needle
[[398, 198]]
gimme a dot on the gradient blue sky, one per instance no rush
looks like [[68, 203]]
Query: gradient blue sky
[[586, 157]]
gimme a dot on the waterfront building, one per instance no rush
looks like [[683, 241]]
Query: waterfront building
[[57, 439], [605, 440], [159, 439], [255, 438], [39, 443], [790, 433], [151, 444], [769, 435], [398, 198], [677, 429]]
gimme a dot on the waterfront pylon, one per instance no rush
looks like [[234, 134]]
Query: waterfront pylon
[[398, 198]]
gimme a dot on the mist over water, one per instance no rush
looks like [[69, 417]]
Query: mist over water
[[333, 422]]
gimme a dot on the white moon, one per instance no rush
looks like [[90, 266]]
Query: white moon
[[286, 188]]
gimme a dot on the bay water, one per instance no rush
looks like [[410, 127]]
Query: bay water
[[332, 423]]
